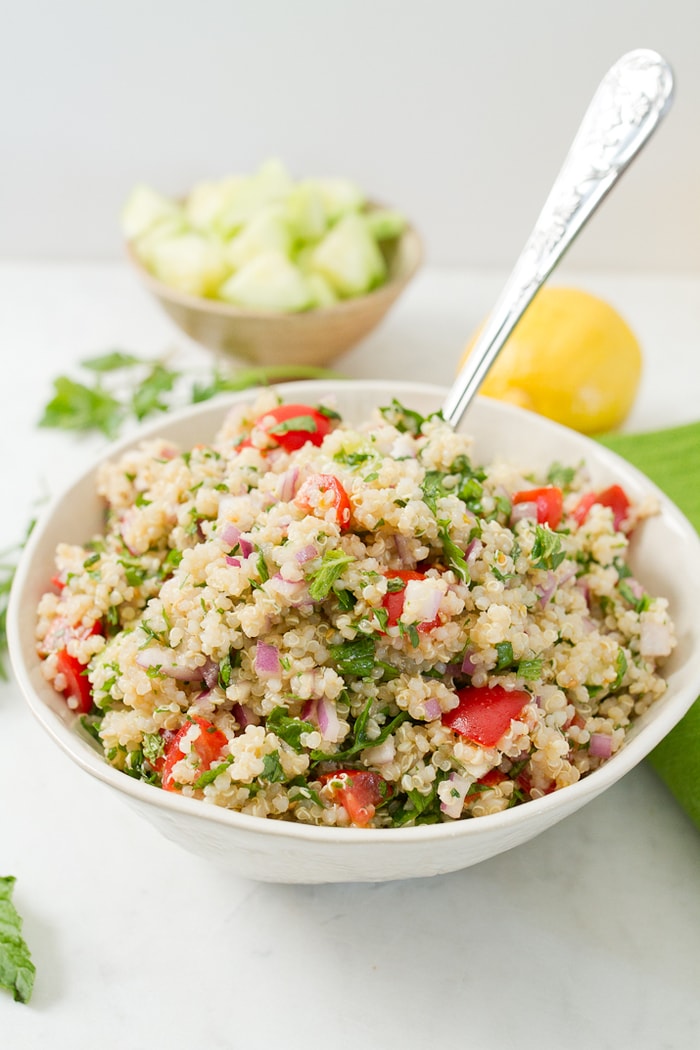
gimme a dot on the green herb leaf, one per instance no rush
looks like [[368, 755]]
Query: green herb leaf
[[75, 406], [287, 728], [356, 657], [433, 488], [16, 967], [147, 397], [504, 655], [621, 670], [453, 554], [530, 669], [210, 775], [322, 579], [112, 361], [404, 419], [421, 809], [272, 769], [561, 475], [306, 424], [546, 550]]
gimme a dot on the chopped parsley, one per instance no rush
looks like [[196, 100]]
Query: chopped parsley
[[210, 775], [404, 419], [504, 655], [322, 579], [546, 550], [16, 967], [307, 424], [287, 728], [560, 475], [356, 657]]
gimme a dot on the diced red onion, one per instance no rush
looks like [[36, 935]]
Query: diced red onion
[[231, 535], [328, 722], [307, 553], [432, 709], [403, 550], [162, 659], [267, 659], [600, 745], [545, 592], [453, 807], [236, 562], [655, 639], [473, 550], [210, 673], [523, 510], [288, 484], [468, 666], [308, 711], [244, 715], [635, 587], [381, 754]]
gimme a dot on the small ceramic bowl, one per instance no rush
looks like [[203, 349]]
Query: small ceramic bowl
[[313, 337], [664, 553]]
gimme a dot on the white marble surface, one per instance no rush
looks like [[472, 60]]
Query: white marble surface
[[587, 937]]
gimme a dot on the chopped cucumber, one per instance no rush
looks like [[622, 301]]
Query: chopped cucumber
[[339, 197], [207, 202], [348, 257], [307, 242], [384, 224], [268, 282], [145, 209], [267, 231], [191, 263]]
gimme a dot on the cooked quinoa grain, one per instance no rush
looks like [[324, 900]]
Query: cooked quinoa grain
[[306, 621]]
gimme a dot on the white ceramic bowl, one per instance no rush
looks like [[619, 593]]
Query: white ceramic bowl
[[665, 553]]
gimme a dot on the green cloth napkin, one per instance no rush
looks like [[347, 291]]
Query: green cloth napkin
[[671, 458]]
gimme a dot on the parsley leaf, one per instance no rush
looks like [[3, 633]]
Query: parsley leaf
[[504, 655], [454, 554], [147, 398], [287, 728], [76, 406], [356, 657], [210, 775], [404, 419], [112, 361], [307, 424], [16, 967], [560, 475], [322, 579], [546, 550], [272, 768]]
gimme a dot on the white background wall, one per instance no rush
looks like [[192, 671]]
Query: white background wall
[[458, 112]]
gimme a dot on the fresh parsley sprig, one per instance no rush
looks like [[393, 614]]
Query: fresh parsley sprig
[[16, 967], [120, 386]]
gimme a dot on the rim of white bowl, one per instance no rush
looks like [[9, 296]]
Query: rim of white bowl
[[81, 751]]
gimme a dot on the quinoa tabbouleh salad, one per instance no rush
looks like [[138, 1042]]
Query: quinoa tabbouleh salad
[[353, 626]]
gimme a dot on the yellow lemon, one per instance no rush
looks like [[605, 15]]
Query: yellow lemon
[[570, 357]]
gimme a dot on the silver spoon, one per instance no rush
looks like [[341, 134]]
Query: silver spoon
[[630, 102]]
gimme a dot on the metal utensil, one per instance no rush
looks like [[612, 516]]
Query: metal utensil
[[630, 102]]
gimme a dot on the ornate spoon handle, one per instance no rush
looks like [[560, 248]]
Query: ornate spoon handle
[[630, 102]]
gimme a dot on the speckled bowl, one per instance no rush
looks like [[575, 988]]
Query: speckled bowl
[[665, 553]]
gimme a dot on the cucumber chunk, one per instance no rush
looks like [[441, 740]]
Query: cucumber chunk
[[268, 282], [348, 257]]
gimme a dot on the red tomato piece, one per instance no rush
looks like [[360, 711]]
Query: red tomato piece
[[614, 497], [291, 426], [78, 690], [484, 713], [549, 501], [359, 791], [208, 747], [393, 601], [323, 492], [492, 778]]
